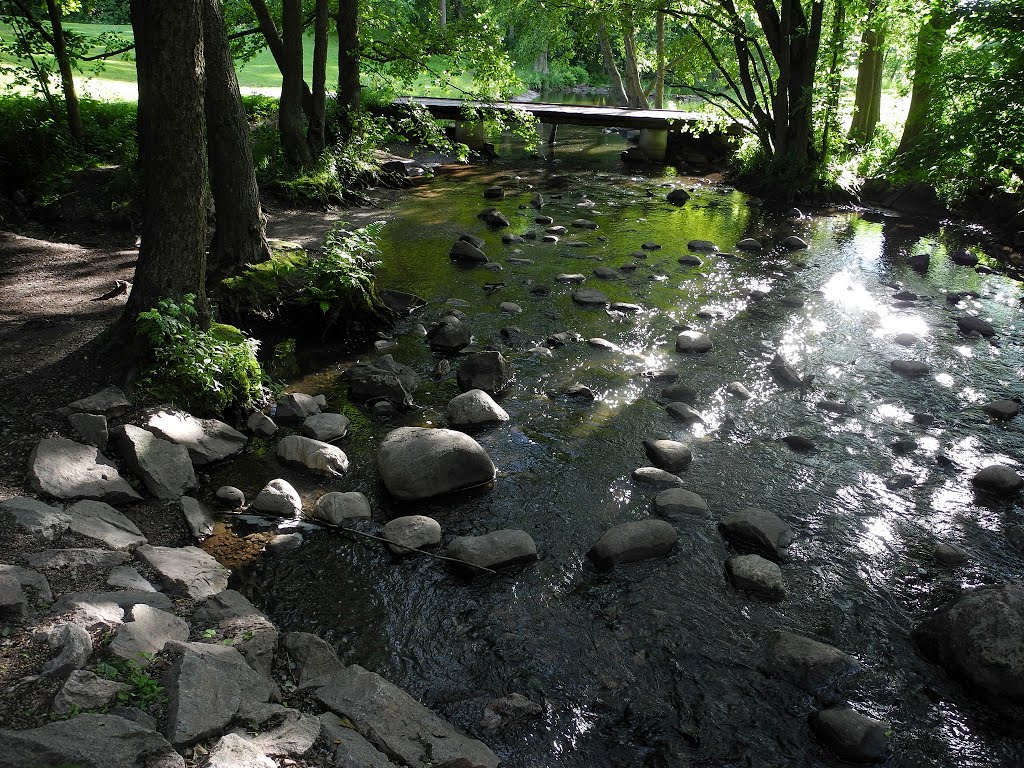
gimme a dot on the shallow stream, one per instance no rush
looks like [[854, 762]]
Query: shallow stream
[[660, 663]]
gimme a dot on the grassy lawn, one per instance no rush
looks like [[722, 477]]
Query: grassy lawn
[[115, 78]]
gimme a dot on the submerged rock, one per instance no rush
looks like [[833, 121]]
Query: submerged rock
[[383, 378], [449, 335], [497, 549], [763, 531], [784, 373], [659, 478], [756, 574], [851, 735], [418, 463], [693, 342], [590, 297], [973, 324], [631, 542], [677, 504], [806, 663]]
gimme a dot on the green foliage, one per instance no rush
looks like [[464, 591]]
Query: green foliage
[[200, 370], [36, 153], [141, 690], [337, 281], [558, 77]]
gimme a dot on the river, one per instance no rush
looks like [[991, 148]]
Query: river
[[661, 663]]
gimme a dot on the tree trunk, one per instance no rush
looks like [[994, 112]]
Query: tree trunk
[[930, 40], [541, 65], [618, 89], [67, 75], [239, 237], [290, 116], [274, 43], [172, 132], [442, 8], [634, 88], [867, 104], [315, 135], [348, 55], [659, 75], [834, 78]]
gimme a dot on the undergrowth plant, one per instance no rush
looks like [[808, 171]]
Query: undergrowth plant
[[337, 282], [201, 370]]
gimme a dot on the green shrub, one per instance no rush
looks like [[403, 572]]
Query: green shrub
[[336, 282], [204, 371]]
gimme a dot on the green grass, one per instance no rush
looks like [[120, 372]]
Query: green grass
[[115, 78]]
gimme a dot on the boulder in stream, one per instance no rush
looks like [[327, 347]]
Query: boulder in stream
[[494, 550], [670, 455], [754, 573], [807, 663], [760, 530], [418, 463], [851, 735], [383, 378], [693, 342], [488, 370], [998, 479], [405, 534], [336, 507], [449, 335], [634, 541], [475, 408], [314, 455]]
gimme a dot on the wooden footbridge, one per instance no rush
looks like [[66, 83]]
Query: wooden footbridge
[[653, 124]]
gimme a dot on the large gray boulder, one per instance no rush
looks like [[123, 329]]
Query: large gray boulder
[[382, 379], [998, 479], [336, 507], [100, 521], [806, 663], [207, 684], [497, 549], [693, 342], [466, 252], [978, 639], [40, 520], [313, 656], [325, 427], [475, 408], [13, 600], [164, 467], [670, 455], [106, 610], [630, 542], [754, 573], [278, 497], [676, 504], [296, 407], [489, 371], [149, 630], [851, 735], [26, 577], [110, 401], [418, 463], [348, 749], [237, 620], [74, 647], [65, 469], [974, 324], [185, 570], [314, 455], [206, 440], [83, 691], [449, 335], [88, 741], [398, 725]]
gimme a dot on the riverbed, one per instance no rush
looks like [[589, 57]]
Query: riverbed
[[661, 663]]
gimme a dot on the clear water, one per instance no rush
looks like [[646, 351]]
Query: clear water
[[661, 663]]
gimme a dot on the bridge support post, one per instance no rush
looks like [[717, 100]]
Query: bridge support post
[[654, 143], [553, 129]]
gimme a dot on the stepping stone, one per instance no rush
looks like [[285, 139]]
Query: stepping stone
[[325, 427], [41, 521], [208, 440], [1002, 409], [737, 389], [475, 408], [659, 478], [851, 735], [590, 297], [411, 532], [164, 467], [684, 413], [278, 497], [749, 244], [314, 455], [999, 480], [760, 530], [669, 455], [494, 550], [702, 245], [467, 253], [632, 542], [185, 570], [337, 507], [99, 521], [910, 368], [623, 306], [972, 324], [677, 504], [678, 196], [806, 663], [756, 574], [693, 342], [65, 469], [794, 243], [575, 278], [418, 463]]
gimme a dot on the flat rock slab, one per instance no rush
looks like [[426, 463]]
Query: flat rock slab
[[677, 504], [164, 467], [1002, 409], [76, 559], [634, 541], [65, 469], [198, 516], [418, 463], [296, 407], [314, 656], [91, 428], [100, 521], [398, 725], [40, 520], [760, 530], [126, 577], [348, 748], [314, 455], [235, 618], [88, 741], [497, 549], [149, 630], [206, 440], [281, 731], [806, 663], [29, 578], [185, 570], [107, 402], [659, 478], [207, 684], [235, 751], [85, 690], [336, 507], [123, 599]]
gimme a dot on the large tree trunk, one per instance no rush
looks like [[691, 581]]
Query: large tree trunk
[[172, 133], [659, 74], [318, 116], [833, 78], [618, 89], [442, 8], [290, 116], [867, 104], [348, 55], [67, 75], [634, 88], [239, 237], [274, 43], [930, 41]]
